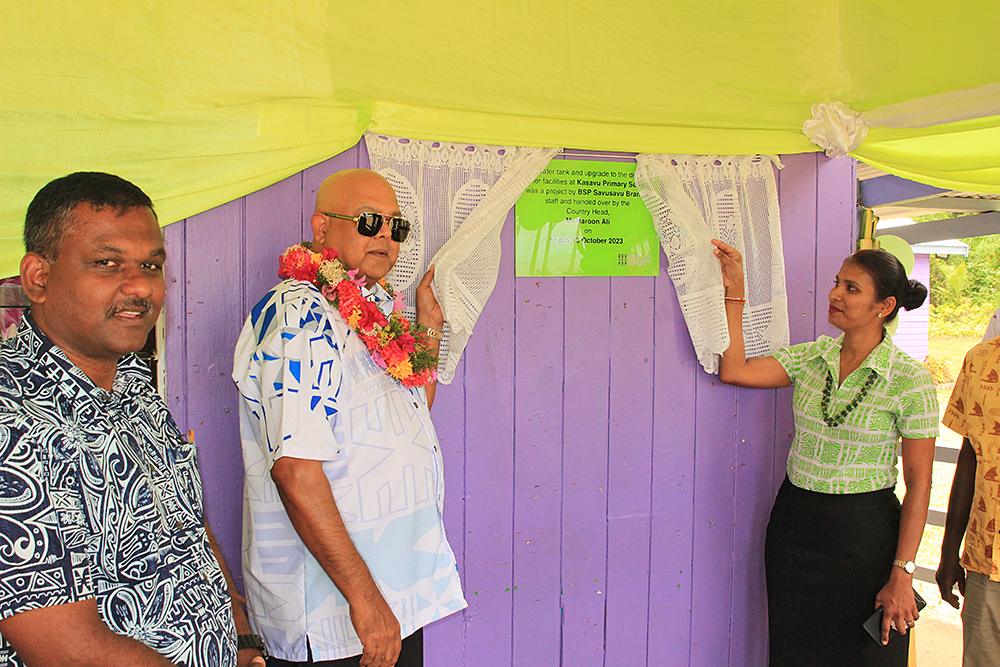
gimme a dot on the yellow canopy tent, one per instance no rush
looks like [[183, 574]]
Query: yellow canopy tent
[[202, 102]]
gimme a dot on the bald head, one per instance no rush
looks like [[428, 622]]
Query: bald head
[[345, 189], [351, 193]]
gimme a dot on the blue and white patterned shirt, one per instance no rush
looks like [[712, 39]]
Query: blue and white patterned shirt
[[100, 498], [310, 390]]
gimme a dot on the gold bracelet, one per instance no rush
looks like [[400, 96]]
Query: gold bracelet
[[434, 333], [735, 299]]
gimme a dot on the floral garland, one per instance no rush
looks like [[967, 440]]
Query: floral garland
[[391, 341]]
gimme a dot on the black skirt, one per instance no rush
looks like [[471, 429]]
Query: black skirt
[[827, 556]]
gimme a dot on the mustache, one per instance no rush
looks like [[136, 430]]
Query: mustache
[[144, 305]]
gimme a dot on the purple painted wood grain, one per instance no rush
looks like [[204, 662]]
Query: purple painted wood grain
[[489, 502], [755, 413], [836, 211], [444, 639], [714, 518], [631, 396], [538, 420], [673, 478], [585, 470], [175, 316], [272, 223], [797, 202], [628, 590], [214, 307], [630, 449]]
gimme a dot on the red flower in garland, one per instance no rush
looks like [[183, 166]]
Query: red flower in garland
[[371, 317], [393, 353], [389, 340], [298, 263], [407, 342]]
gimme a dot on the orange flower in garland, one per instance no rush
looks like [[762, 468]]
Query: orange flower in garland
[[391, 341]]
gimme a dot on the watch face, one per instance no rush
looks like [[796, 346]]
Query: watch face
[[911, 567]]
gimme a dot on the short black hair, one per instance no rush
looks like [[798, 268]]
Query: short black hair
[[47, 219], [889, 278]]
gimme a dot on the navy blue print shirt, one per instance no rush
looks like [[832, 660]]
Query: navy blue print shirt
[[100, 498]]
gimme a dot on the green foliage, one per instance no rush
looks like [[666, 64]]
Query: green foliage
[[951, 289], [940, 215], [957, 281], [983, 262], [966, 318]]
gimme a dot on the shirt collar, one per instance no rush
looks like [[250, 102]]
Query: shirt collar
[[380, 297], [31, 342], [879, 360]]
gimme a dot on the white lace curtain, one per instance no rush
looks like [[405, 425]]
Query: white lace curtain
[[694, 199], [457, 197]]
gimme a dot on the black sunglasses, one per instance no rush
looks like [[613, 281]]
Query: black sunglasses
[[370, 223]]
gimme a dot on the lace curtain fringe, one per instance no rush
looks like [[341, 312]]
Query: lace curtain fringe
[[694, 199], [457, 196]]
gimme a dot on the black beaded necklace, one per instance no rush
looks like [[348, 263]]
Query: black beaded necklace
[[839, 418]]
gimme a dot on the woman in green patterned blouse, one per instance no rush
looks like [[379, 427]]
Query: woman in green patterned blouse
[[839, 545]]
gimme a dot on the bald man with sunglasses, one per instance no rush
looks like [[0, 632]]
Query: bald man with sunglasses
[[344, 553]]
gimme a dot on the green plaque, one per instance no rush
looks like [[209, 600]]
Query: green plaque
[[585, 218]]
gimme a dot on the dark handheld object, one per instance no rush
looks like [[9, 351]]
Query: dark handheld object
[[874, 623]]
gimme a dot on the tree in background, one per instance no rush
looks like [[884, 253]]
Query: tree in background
[[965, 290]]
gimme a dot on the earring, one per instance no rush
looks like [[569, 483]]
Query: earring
[[880, 314]]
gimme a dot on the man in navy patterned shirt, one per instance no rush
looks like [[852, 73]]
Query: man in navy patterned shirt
[[105, 557]]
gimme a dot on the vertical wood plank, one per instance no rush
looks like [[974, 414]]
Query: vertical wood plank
[[628, 590], [754, 480], [489, 446], [273, 223], [214, 307], [175, 353], [673, 479], [713, 520], [443, 640], [585, 471], [797, 202], [630, 457], [538, 419], [836, 216]]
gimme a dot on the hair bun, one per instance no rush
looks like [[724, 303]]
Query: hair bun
[[914, 296]]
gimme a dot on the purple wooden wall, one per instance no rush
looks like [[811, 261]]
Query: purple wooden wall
[[606, 498], [914, 326]]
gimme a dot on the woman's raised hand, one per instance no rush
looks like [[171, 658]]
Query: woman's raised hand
[[732, 268]]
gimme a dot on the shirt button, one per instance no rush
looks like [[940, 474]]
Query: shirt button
[[415, 405], [178, 524]]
